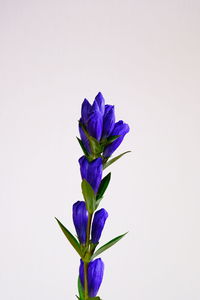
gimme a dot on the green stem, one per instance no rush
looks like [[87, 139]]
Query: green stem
[[88, 251], [85, 280]]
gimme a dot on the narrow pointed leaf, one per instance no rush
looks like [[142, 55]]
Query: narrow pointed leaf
[[109, 140], [94, 144], [103, 186], [108, 245], [112, 139], [111, 161], [80, 290], [98, 202], [82, 146], [89, 196], [73, 241]]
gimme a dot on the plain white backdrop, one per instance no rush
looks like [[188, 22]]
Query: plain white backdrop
[[144, 57]]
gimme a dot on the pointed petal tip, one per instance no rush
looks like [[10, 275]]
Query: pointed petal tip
[[99, 94]]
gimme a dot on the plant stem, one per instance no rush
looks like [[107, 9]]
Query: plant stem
[[86, 295], [85, 281]]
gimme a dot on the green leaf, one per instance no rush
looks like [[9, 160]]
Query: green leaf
[[108, 245], [103, 185], [80, 290], [112, 139], [73, 241], [94, 144], [102, 188], [89, 196], [111, 161], [82, 146]]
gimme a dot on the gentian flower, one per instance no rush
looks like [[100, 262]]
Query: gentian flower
[[95, 121], [91, 171], [98, 120], [85, 110], [92, 116], [101, 102], [108, 120], [98, 224], [95, 276], [120, 128], [80, 219]]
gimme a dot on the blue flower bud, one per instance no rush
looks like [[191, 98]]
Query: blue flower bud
[[91, 171], [95, 276], [98, 224], [80, 219], [121, 129], [108, 120], [85, 111], [95, 121], [101, 102], [92, 117]]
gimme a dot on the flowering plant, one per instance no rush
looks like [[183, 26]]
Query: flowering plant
[[100, 136]]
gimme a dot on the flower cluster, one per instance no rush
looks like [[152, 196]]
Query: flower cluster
[[100, 136], [80, 219], [98, 121]]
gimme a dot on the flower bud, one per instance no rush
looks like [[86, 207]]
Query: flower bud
[[92, 117], [91, 171], [95, 121], [121, 129], [80, 219], [101, 102], [108, 120], [95, 276], [85, 111], [98, 224]]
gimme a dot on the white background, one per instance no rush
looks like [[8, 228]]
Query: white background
[[144, 57]]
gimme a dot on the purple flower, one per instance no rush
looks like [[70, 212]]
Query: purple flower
[[98, 120], [92, 116], [85, 111], [94, 124], [80, 219], [91, 171], [101, 102], [108, 120], [98, 224], [121, 129], [95, 275]]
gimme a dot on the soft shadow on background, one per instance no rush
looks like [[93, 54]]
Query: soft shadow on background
[[144, 57]]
